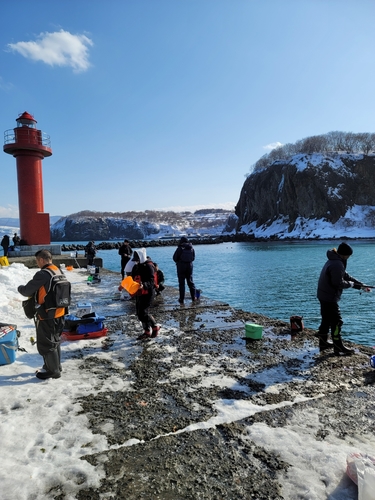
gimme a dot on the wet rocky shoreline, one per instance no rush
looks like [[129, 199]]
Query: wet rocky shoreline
[[167, 436]]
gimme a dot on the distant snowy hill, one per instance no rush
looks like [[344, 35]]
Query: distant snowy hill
[[11, 225], [108, 226]]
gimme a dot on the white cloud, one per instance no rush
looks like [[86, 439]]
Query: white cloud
[[60, 48], [273, 145], [9, 211]]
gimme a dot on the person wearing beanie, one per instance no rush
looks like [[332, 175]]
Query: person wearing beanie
[[184, 256], [332, 281]]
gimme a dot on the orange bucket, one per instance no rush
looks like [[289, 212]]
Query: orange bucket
[[130, 285]]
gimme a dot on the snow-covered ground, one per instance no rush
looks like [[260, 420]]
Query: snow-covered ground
[[43, 433]]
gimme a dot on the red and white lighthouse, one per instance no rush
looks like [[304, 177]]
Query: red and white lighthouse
[[30, 146]]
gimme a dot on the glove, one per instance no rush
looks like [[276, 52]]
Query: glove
[[357, 286], [365, 288]]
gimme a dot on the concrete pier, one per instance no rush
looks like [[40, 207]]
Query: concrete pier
[[67, 259]]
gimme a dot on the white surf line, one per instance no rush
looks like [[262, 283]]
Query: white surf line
[[243, 409]]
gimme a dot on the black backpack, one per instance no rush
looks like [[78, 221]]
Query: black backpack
[[187, 254], [58, 291]]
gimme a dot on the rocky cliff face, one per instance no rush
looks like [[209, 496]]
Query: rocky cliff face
[[317, 186]]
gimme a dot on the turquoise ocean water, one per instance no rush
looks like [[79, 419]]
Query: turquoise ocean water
[[277, 279]]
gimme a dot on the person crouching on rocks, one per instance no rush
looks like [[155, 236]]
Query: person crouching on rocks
[[332, 281], [160, 279], [143, 273]]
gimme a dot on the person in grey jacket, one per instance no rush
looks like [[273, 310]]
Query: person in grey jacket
[[49, 321], [332, 281]]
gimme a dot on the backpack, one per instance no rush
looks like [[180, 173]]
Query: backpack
[[156, 277], [58, 291], [187, 254], [296, 324]]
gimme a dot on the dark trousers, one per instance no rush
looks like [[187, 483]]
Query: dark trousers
[[5, 251], [185, 273], [331, 319], [142, 304], [124, 261], [48, 332]]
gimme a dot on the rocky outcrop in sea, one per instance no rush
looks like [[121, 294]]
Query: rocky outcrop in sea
[[335, 189]]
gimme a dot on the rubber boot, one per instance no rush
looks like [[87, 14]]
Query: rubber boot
[[324, 344], [323, 341], [339, 348], [52, 364]]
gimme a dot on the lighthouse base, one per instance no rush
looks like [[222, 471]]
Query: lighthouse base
[[30, 250]]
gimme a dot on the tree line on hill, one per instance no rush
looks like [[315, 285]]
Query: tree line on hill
[[156, 216], [332, 142]]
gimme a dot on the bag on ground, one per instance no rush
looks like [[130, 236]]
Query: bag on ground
[[296, 324]]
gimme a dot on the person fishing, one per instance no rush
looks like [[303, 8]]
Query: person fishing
[[184, 256], [125, 252], [332, 281]]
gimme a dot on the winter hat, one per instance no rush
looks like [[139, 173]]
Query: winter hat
[[135, 256], [344, 249], [183, 239]]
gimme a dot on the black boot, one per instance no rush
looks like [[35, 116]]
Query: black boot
[[51, 365], [324, 344], [339, 348], [323, 341]]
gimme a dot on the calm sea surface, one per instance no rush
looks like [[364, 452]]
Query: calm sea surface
[[277, 279]]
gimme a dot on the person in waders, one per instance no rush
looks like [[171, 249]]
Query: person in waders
[[332, 281], [49, 320]]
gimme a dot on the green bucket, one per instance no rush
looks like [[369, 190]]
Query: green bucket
[[253, 331]]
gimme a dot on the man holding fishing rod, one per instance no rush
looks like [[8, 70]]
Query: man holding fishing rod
[[332, 281]]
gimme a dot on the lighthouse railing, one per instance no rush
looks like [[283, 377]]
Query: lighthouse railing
[[43, 138]]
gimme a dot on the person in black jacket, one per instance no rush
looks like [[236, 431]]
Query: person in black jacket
[[5, 244], [90, 250], [184, 256], [143, 273], [126, 252], [160, 279], [332, 281]]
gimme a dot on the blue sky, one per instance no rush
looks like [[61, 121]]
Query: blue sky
[[166, 104]]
